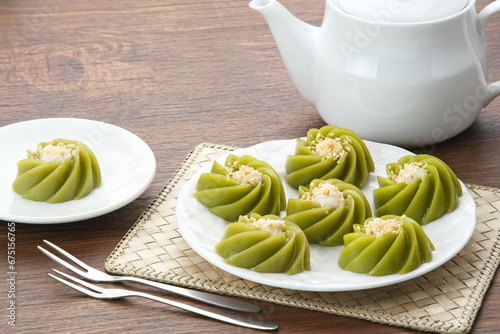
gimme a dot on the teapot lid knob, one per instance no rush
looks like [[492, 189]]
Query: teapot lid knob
[[402, 11]]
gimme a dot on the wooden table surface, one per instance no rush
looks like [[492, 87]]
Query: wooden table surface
[[176, 74]]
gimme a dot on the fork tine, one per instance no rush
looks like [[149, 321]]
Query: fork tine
[[79, 281], [68, 255], [61, 261], [119, 293], [76, 287]]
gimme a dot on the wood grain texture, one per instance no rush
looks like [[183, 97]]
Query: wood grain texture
[[175, 73]]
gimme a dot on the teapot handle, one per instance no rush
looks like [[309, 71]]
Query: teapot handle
[[484, 16], [482, 19]]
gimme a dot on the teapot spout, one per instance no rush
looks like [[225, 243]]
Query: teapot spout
[[296, 42]]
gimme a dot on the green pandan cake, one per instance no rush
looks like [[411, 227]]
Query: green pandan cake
[[242, 186], [265, 244], [387, 245], [327, 210], [58, 171], [326, 153], [422, 187]]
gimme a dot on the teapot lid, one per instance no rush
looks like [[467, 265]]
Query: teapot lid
[[402, 11]]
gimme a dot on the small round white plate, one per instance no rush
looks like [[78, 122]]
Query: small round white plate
[[127, 166], [202, 230]]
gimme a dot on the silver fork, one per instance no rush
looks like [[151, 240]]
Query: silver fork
[[102, 293], [95, 275]]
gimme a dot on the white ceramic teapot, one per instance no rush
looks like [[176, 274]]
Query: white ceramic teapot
[[393, 73]]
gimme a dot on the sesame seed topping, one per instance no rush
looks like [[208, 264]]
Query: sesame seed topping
[[379, 226], [244, 174], [410, 172], [330, 147], [326, 194], [274, 226], [58, 152]]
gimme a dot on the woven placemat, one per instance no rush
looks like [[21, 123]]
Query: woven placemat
[[445, 300]]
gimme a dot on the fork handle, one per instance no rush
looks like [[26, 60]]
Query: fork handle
[[208, 298], [235, 319]]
